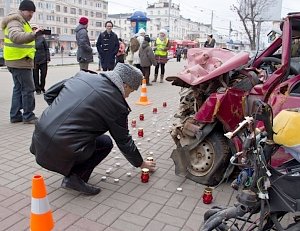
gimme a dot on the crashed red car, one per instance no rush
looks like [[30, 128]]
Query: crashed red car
[[219, 90]]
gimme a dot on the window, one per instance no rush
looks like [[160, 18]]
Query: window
[[80, 2], [98, 24], [58, 30], [104, 16], [65, 30], [158, 12], [98, 15], [80, 11], [104, 6], [65, 9], [1, 12], [66, 20], [73, 11], [57, 8], [73, 21], [57, 19], [86, 13], [72, 31], [92, 13]]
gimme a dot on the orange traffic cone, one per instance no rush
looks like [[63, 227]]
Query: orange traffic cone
[[143, 99], [41, 216]]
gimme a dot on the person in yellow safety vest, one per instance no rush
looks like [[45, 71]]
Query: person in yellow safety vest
[[161, 46], [19, 52]]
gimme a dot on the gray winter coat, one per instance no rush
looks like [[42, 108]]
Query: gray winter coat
[[146, 55], [85, 51]]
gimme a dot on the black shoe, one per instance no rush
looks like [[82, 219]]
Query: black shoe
[[76, 183], [13, 121], [38, 92], [32, 121]]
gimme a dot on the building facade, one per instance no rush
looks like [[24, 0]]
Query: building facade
[[62, 17]]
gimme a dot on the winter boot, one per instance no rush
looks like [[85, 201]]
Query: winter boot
[[155, 78], [161, 78], [147, 82]]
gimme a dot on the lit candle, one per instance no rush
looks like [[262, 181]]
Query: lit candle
[[145, 175]]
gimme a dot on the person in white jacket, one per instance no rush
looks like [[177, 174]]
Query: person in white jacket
[[136, 58]]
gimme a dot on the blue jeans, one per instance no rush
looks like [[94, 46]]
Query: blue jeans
[[23, 95]]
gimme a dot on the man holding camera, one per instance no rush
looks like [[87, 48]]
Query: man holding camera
[[19, 51]]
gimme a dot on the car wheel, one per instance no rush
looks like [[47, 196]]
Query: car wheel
[[209, 160]]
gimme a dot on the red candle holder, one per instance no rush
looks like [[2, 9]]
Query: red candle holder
[[140, 132], [145, 175], [207, 196], [133, 123], [154, 110], [142, 117], [164, 104]]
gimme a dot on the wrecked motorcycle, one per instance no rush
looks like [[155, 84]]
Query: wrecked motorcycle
[[265, 194], [218, 90]]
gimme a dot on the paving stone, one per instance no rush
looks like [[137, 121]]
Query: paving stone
[[170, 220], [110, 216], [10, 221], [124, 225], [151, 210], [138, 206], [135, 219], [154, 225], [66, 221], [97, 212], [86, 224]]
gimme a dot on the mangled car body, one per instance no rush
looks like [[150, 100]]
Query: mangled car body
[[218, 90]]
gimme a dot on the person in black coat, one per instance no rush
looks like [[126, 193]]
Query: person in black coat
[[85, 51], [41, 60], [108, 46], [69, 136]]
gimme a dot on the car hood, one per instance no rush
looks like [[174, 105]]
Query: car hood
[[208, 63]]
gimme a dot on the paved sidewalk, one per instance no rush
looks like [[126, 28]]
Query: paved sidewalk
[[128, 205]]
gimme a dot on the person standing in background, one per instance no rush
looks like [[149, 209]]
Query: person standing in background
[[108, 46], [41, 60], [147, 59], [162, 45], [121, 53], [85, 51], [210, 42], [18, 52], [136, 58]]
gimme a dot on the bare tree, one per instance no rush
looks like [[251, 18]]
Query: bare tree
[[250, 13]]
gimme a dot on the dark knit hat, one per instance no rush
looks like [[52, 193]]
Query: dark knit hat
[[147, 38], [27, 5], [129, 75], [83, 20]]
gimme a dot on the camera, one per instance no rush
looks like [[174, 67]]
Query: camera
[[46, 32]]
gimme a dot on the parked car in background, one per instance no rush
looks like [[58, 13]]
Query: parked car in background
[[52, 51], [73, 52], [2, 63]]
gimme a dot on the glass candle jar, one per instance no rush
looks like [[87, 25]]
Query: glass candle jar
[[154, 110], [142, 117], [149, 158], [140, 132], [133, 123], [164, 104], [207, 196], [145, 175]]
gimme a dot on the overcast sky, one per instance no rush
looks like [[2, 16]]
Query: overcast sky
[[196, 11]]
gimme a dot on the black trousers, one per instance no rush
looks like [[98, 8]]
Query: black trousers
[[84, 169], [162, 69], [146, 73], [39, 76]]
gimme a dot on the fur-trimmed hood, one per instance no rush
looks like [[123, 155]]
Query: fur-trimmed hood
[[11, 17]]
